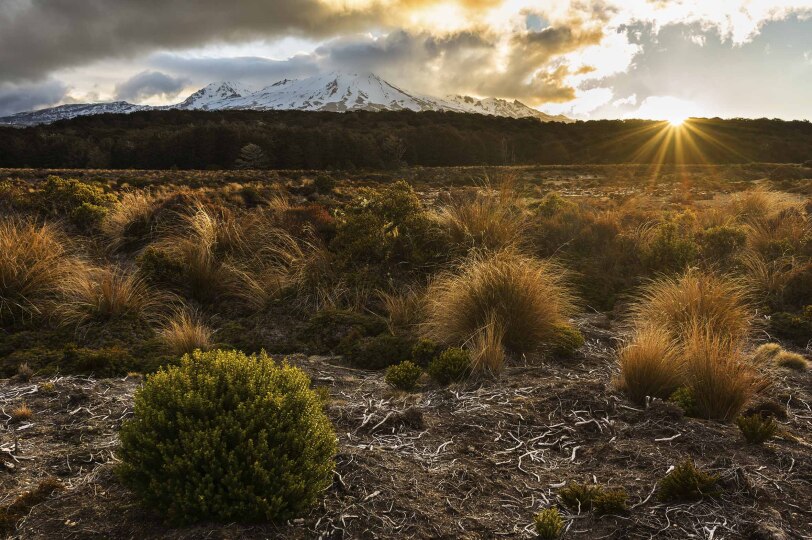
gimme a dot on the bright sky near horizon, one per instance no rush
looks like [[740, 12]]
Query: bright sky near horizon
[[659, 59]]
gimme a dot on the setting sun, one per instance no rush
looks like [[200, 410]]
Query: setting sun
[[676, 121]]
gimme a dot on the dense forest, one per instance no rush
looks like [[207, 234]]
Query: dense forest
[[294, 139]]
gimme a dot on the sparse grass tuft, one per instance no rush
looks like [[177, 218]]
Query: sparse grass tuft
[[24, 373], [21, 413], [405, 309], [548, 524], [129, 224], [487, 349], [185, 333], [687, 483], [578, 497], [650, 365], [12, 513], [791, 360], [757, 429], [766, 353], [525, 296]]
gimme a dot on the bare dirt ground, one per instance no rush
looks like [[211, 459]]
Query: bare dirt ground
[[473, 461]]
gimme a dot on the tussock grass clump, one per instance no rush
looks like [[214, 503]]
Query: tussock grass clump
[[103, 294], [21, 413], [487, 348], [548, 524], [130, 222], [791, 360], [756, 428], [24, 373], [687, 483], [405, 309], [759, 204], [526, 297], [650, 365], [677, 304], [766, 353], [263, 446], [34, 265], [22, 505], [719, 378], [185, 333], [403, 376]]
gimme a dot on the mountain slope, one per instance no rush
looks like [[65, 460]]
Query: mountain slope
[[335, 92]]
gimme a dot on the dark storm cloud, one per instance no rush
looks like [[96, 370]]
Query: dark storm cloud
[[16, 98], [149, 84], [39, 36], [256, 71]]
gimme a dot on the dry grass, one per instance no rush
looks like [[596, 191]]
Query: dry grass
[[130, 220], [650, 365], [766, 353], [185, 333], [791, 360], [34, 263], [759, 204], [21, 413], [720, 380], [487, 348], [405, 309], [677, 304], [527, 297], [492, 220], [766, 279], [102, 294]]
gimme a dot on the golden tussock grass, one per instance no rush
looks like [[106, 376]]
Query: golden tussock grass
[[405, 309], [487, 348], [791, 360], [760, 204], [720, 380], [21, 413], [650, 365], [34, 263], [765, 279], [677, 304], [766, 353], [102, 294], [130, 221], [527, 297], [185, 333]]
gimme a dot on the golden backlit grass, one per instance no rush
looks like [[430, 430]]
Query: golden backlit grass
[[130, 221], [527, 297], [185, 333], [650, 365], [487, 348]]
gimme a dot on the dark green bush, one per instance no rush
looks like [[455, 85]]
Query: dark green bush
[[324, 184], [684, 397], [424, 351], [795, 328], [452, 365], [158, 267], [578, 497], [228, 437], [548, 524], [670, 249], [756, 429], [332, 330], [403, 376], [566, 340], [378, 352], [687, 483], [610, 501], [719, 244], [84, 204]]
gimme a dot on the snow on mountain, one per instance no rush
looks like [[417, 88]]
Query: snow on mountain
[[336, 92]]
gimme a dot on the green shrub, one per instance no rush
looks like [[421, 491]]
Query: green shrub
[[228, 437], [578, 497], [720, 243], [378, 352], [84, 204], [424, 351], [670, 248], [324, 184], [403, 376], [610, 501], [795, 328], [157, 266], [332, 330], [548, 524], [687, 483], [756, 428], [684, 397], [452, 365], [566, 340]]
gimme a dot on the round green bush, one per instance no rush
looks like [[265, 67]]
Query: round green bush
[[566, 340], [424, 351], [453, 365], [224, 436], [403, 376]]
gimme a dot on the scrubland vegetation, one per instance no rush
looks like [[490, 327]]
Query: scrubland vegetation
[[526, 320]]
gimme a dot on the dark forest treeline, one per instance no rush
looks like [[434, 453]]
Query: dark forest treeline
[[309, 140]]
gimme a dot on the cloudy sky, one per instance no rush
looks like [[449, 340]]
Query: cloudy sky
[[587, 59]]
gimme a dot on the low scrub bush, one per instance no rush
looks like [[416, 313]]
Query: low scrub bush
[[793, 327], [650, 365], [526, 297], [721, 243], [756, 428], [333, 330], [378, 352], [610, 501], [424, 351], [684, 398], [452, 365], [578, 497], [228, 437], [548, 524], [687, 483], [566, 340], [84, 204], [403, 376]]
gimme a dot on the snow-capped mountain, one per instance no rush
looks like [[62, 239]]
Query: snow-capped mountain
[[336, 92]]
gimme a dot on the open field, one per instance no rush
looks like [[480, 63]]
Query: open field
[[613, 321]]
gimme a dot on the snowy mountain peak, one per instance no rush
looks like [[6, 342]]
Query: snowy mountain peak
[[335, 91]]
